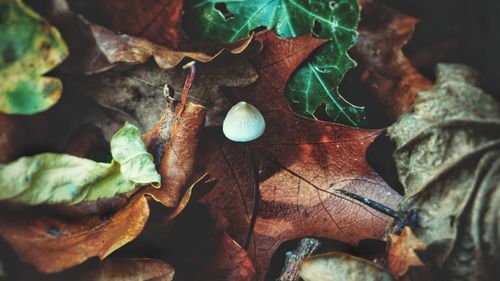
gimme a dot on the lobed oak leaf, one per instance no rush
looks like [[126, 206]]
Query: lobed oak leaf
[[301, 162], [386, 71]]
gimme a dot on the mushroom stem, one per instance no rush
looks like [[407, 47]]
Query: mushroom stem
[[256, 197]]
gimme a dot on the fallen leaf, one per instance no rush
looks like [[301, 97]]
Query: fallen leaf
[[156, 21], [391, 77], [51, 243], [340, 266], [50, 178], [447, 159], [224, 260], [300, 161], [401, 254], [30, 47], [130, 269], [314, 83]]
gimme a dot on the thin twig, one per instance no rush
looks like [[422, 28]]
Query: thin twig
[[294, 259]]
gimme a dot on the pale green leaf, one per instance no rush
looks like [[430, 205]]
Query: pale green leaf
[[59, 178]]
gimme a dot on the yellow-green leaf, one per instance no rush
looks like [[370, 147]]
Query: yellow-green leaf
[[59, 178], [29, 47]]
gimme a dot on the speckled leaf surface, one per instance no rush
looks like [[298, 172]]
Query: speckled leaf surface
[[315, 82], [29, 47], [60, 178], [447, 158]]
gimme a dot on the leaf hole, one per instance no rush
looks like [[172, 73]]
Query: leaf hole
[[221, 7], [316, 30], [258, 29], [452, 221], [332, 4]]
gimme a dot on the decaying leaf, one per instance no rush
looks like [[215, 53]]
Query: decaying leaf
[[401, 254], [448, 162], [131, 269], [341, 267], [61, 178], [29, 48], [300, 161], [52, 243], [314, 83], [387, 72], [157, 21], [224, 260]]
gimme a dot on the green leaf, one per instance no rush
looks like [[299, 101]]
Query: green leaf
[[59, 178], [315, 82], [29, 47]]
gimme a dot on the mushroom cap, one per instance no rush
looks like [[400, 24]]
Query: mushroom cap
[[243, 123]]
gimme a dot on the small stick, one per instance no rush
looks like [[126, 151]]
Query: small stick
[[374, 205], [294, 259]]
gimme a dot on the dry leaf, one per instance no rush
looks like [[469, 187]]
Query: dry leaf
[[157, 21], [341, 267], [302, 162], [226, 261], [387, 72], [401, 254], [131, 269], [52, 243], [447, 159]]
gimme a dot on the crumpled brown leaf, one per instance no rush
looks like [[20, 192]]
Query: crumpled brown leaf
[[401, 254], [301, 163], [52, 243], [341, 267], [448, 162], [130, 269], [386, 71]]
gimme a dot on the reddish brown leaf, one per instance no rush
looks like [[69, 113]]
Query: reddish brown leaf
[[401, 253], [302, 162], [157, 21], [390, 75], [52, 243], [221, 258]]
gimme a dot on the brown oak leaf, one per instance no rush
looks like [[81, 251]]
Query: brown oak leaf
[[401, 253], [301, 162], [386, 71], [157, 21]]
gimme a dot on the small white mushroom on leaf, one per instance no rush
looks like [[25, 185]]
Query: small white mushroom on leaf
[[243, 123]]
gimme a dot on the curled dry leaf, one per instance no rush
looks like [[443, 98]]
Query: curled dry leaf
[[301, 163], [387, 72], [341, 267], [448, 162], [401, 254], [52, 244], [123, 269]]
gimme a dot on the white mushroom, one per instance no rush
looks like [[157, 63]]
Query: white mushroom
[[243, 123]]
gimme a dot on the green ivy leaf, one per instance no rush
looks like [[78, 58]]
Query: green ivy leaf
[[315, 82], [29, 47], [59, 178]]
